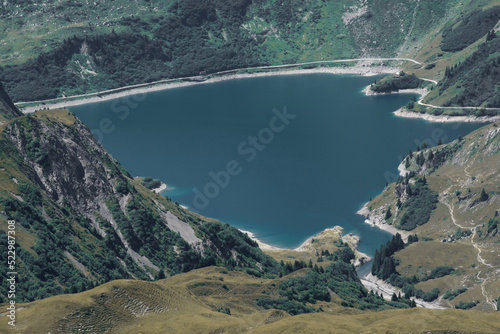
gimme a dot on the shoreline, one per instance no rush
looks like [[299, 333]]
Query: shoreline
[[420, 91], [363, 69], [162, 187], [402, 112], [262, 245], [379, 222], [307, 245]]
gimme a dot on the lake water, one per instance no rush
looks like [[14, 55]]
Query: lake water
[[282, 156]]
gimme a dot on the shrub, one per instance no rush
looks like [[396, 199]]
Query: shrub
[[151, 183], [450, 295], [122, 187], [466, 305]]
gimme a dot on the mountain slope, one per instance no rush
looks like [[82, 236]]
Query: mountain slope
[[171, 39], [199, 302], [460, 230], [83, 220]]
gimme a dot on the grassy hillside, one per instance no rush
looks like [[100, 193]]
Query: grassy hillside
[[457, 223], [212, 300]]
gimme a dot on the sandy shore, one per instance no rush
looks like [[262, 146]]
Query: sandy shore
[[262, 245], [162, 187], [402, 112], [362, 68]]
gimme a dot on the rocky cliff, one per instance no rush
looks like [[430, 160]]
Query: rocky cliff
[[83, 220], [7, 109]]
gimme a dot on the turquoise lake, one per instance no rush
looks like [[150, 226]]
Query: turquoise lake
[[282, 175]]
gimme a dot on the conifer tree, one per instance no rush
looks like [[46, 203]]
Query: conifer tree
[[388, 213], [376, 263], [388, 268], [484, 196]]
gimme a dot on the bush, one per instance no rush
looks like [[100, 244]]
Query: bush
[[122, 187], [292, 307], [151, 183], [450, 295], [427, 296], [439, 272], [466, 305]]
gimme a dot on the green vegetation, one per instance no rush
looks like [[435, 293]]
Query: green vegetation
[[49, 272], [471, 28], [199, 300], [466, 305], [476, 78], [228, 239], [340, 277], [292, 307], [492, 227], [438, 272], [397, 82], [484, 196], [52, 74], [384, 267], [150, 183], [419, 206], [72, 49], [450, 295], [185, 38]]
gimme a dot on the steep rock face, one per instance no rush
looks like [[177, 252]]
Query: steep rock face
[[7, 109], [84, 220], [66, 162]]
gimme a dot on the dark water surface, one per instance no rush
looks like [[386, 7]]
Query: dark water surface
[[282, 175]]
